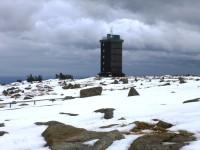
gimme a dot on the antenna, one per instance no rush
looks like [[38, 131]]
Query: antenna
[[111, 31]]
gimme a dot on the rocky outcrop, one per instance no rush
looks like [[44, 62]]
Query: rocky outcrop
[[159, 138], [90, 92], [133, 92], [108, 112], [65, 137], [162, 141]]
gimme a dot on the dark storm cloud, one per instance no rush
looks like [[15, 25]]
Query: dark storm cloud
[[48, 36], [156, 10]]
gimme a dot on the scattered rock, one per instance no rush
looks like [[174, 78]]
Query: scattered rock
[[11, 91], [68, 97], [116, 82], [98, 78], [140, 125], [107, 140], [155, 119], [90, 92], [108, 112], [2, 133], [70, 114], [122, 118], [52, 100], [132, 92], [162, 79], [108, 126], [13, 102], [181, 80], [27, 88], [124, 80], [160, 126], [16, 96], [5, 93], [71, 86], [65, 137], [2, 105], [102, 83], [192, 100], [2, 125], [163, 124], [166, 84], [24, 104], [28, 97]]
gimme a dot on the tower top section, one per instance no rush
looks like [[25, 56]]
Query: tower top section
[[112, 37]]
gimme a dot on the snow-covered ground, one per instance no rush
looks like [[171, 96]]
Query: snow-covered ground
[[155, 102]]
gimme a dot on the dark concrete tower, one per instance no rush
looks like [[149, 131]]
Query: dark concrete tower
[[111, 56]]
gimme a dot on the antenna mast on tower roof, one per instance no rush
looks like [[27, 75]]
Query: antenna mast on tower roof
[[111, 31]]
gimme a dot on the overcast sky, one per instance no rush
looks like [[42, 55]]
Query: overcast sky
[[50, 36]]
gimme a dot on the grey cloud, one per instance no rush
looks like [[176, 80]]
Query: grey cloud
[[156, 10], [18, 15], [48, 36]]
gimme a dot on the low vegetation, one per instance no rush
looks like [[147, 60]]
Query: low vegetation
[[62, 76], [31, 78]]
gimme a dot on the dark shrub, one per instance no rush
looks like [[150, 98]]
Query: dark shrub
[[31, 78], [62, 76], [19, 81]]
